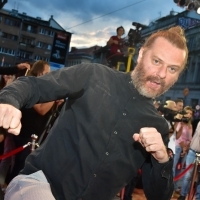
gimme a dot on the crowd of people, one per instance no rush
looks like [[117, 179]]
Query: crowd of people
[[33, 121], [184, 135], [108, 128]]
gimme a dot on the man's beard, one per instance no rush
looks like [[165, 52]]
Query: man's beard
[[139, 80]]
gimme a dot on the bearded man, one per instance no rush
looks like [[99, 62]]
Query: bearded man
[[107, 130]]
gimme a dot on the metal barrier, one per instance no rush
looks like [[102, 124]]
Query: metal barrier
[[15, 151]]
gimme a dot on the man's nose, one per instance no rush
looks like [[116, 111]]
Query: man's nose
[[162, 71]]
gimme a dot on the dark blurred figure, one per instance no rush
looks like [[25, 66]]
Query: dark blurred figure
[[33, 120]]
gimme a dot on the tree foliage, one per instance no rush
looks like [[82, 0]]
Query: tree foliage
[[2, 3]]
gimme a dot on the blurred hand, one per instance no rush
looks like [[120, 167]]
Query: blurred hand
[[178, 116], [152, 141], [59, 102], [1, 138], [24, 66], [10, 118], [10, 79]]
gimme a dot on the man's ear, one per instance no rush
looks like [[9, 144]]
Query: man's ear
[[141, 51]]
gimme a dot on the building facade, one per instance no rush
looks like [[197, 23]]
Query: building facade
[[82, 55], [27, 39]]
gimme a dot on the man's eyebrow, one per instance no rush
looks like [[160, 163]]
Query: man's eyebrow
[[168, 64]]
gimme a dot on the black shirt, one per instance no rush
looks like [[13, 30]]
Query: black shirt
[[90, 153]]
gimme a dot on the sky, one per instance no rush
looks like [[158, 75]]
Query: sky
[[93, 22]]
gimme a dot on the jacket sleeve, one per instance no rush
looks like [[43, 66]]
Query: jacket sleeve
[[9, 70], [27, 91], [157, 179]]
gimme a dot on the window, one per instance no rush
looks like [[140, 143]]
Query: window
[[43, 45], [49, 46], [25, 55], [51, 33], [46, 32], [8, 51], [12, 22], [37, 57], [42, 31], [29, 28], [39, 44]]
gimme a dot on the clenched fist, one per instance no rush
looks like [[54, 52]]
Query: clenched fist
[[152, 141], [10, 118]]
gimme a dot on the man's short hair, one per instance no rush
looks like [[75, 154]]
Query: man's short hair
[[178, 100], [119, 28]]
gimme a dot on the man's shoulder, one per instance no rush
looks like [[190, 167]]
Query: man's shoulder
[[114, 37]]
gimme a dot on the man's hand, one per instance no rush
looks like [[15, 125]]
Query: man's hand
[[152, 141], [10, 118], [59, 102], [24, 66]]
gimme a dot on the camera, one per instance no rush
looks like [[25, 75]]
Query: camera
[[173, 116], [134, 35]]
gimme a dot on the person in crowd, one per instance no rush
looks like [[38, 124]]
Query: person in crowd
[[33, 120], [179, 105], [168, 114], [6, 80], [15, 69], [107, 130], [194, 148], [196, 117], [116, 52], [183, 139]]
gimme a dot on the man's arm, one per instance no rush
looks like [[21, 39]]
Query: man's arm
[[157, 173], [157, 179], [28, 91], [14, 69], [9, 70]]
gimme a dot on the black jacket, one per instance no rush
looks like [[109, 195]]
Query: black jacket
[[89, 153], [9, 70]]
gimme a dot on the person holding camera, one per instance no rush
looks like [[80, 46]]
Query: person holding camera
[[116, 52], [183, 138], [179, 105]]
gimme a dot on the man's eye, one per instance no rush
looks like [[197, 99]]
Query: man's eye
[[156, 61], [172, 70]]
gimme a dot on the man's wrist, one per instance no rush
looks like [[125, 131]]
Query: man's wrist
[[164, 160]]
